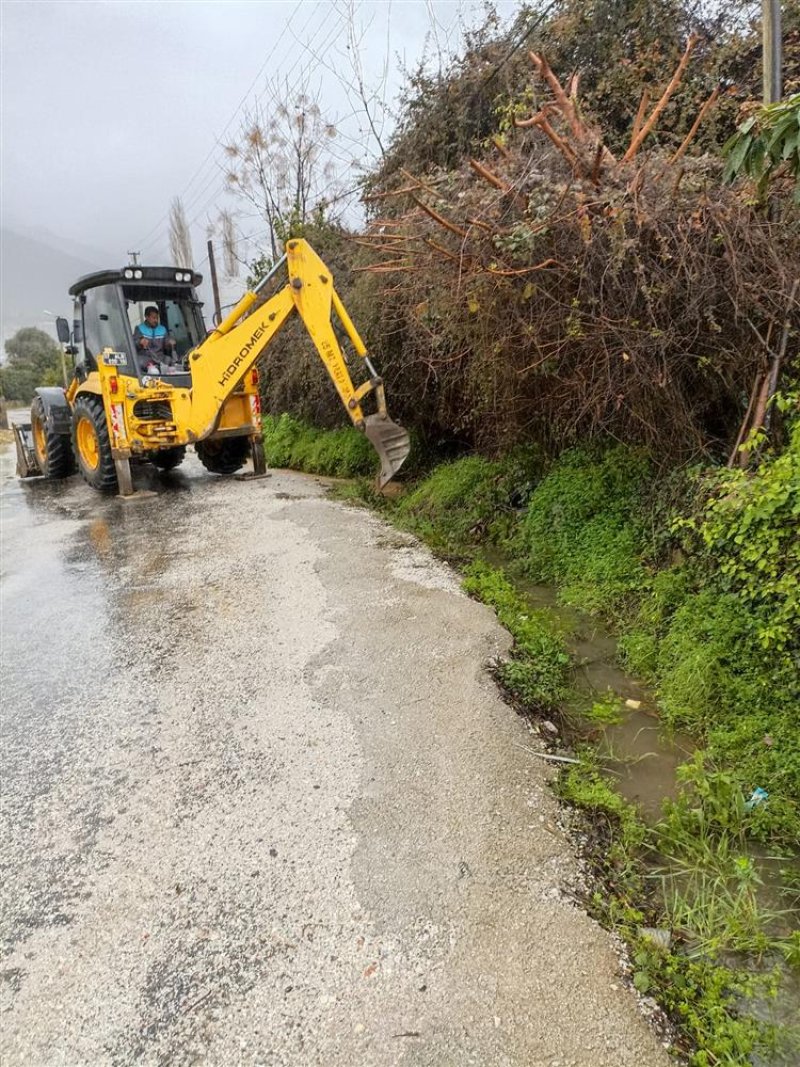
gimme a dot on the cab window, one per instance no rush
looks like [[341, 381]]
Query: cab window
[[179, 315], [103, 323]]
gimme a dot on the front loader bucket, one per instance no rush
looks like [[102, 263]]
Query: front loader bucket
[[390, 441], [27, 464]]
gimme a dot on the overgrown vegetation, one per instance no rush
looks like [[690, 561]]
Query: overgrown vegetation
[[669, 563], [344, 453], [580, 270]]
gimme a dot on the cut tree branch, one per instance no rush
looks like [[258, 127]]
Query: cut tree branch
[[696, 125], [674, 82]]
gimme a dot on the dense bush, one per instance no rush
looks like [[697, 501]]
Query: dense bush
[[345, 453], [715, 624], [583, 529]]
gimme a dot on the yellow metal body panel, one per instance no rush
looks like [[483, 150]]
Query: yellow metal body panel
[[232, 349]]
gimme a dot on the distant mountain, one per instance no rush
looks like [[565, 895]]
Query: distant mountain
[[37, 268], [35, 274], [90, 253]]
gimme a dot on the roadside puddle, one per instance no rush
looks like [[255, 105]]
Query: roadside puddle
[[641, 757]]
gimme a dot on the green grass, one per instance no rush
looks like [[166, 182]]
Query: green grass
[[461, 504], [536, 674], [583, 529], [344, 453]]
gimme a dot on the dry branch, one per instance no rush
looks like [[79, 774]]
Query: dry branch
[[637, 122], [674, 82], [565, 104], [696, 125], [451, 226], [488, 176]]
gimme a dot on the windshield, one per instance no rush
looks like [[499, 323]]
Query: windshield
[[178, 311]]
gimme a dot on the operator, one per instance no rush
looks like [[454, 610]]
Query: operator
[[153, 341]]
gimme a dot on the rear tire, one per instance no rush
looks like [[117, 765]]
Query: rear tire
[[53, 450], [223, 455], [91, 443], [166, 459]]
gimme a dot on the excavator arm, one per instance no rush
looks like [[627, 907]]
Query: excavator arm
[[220, 362]]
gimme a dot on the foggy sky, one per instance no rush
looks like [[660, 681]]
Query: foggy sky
[[110, 109]]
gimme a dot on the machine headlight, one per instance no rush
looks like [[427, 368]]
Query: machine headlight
[[128, 273], [137, 274]]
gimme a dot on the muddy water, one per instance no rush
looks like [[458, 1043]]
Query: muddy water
[[638, 752], [642, 758]]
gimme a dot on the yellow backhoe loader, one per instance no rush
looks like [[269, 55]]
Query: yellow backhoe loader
[[132, 400]]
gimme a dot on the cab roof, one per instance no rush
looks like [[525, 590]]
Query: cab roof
[[150, 276]]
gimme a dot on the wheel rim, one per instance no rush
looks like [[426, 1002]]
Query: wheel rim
[[40, 440], [88, 445]]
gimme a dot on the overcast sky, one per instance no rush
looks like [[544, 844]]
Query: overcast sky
[[110, 109]]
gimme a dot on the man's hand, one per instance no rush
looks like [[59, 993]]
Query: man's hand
[[143, 342]]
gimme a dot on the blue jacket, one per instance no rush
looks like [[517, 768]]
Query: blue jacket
[[157, 336]]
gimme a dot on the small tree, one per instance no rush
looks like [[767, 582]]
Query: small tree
[[284, 161], [34, 359], [180, 238]]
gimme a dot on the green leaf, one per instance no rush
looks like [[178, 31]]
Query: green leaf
[[641, 981], [738, 154], [754, 164]]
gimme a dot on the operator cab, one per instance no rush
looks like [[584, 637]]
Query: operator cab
[[109, 305]]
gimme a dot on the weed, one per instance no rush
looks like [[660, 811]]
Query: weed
[[344, 453], [536, 672], [704, 997], [581, 529], [711, 886], [606, 711]]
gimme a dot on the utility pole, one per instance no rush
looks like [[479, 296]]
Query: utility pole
[[214, 283], [134, 258], [771, 36]]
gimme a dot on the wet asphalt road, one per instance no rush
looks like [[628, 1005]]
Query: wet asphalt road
[[261, 803]]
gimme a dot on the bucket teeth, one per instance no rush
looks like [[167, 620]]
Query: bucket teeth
[[390, 441]]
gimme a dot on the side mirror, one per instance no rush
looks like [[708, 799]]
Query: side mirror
[[62, 329]]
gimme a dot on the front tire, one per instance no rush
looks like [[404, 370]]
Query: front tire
[[166, 459], [223, 455], [92, 444], [53, 450]]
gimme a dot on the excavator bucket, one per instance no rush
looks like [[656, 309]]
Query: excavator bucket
[[390, 441]]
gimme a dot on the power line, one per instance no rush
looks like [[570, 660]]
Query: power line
[[230, 121], [159, 232]]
